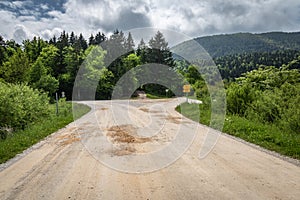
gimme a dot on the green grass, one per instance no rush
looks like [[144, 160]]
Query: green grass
[[154, 96], [191, 111], [18, 141], [265, 135]]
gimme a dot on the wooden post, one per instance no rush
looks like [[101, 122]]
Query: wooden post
[[56, 97]]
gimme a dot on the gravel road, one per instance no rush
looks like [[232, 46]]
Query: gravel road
[[144, 149]]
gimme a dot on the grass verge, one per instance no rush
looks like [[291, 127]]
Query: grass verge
[[20, 140], [154, 96], [268, 136]]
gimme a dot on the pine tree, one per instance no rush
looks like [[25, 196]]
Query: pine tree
[[91, 40], [129, 43], [99, 38], [72, 39], [82, 42], [141, 50], [159, 51]]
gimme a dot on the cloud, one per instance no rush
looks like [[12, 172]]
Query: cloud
[[49, 33], [20, 33], [191, 17], [44, 6]]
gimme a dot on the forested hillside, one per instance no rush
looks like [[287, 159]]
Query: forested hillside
[[239, 43], [235, 54], [233, 66]]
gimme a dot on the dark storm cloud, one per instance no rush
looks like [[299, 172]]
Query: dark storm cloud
[[192, 17], [230, 8], [129, 20]]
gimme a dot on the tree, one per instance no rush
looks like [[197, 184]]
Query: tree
[[3, 53], [15, 70], [41, 79], [115, 53], [90, 72], [159, 51], [82, 42], [131, 61], [142, 50], [49, 56], [105, 86], [33, 48], [72, 60], [42, 69], [99, 38], [92, 40], [129, 43], [72, 39], [53, 40], [63, 41]]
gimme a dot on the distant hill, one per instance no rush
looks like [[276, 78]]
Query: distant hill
[[228, 44], [235, 54]]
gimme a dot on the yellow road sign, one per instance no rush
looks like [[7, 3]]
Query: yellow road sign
[[186, 88]]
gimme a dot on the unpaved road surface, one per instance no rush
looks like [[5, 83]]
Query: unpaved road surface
[[89, 160]]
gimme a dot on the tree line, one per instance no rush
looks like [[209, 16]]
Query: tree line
[[234, 65], [51, 66], [32, 72]]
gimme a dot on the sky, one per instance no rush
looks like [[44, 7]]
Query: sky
[[21, 20]]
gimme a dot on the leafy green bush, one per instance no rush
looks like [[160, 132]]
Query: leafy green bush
[[21, 105], [290, 112], [239, 97], [265, 108]]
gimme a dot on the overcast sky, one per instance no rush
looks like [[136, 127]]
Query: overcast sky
[[24, 19]]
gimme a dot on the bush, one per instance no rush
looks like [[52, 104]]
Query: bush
[[265, 108], [239, 97], [21, 105]]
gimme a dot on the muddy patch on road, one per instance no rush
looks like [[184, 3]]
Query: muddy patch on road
[[103, 108], [124, 150], [125, 134], [149, 111], [144, 109], [174, 119], [67, 139], [125, 139]]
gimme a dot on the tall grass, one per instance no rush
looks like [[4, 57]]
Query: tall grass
[[266, 135]]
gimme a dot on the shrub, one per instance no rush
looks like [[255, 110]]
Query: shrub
[[265, 108], [21, 105]]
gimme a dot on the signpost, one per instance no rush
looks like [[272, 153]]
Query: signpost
[[56, 98], [167, 90], [186, 90]]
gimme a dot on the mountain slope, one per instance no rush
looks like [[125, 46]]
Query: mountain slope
[[221, 45]]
